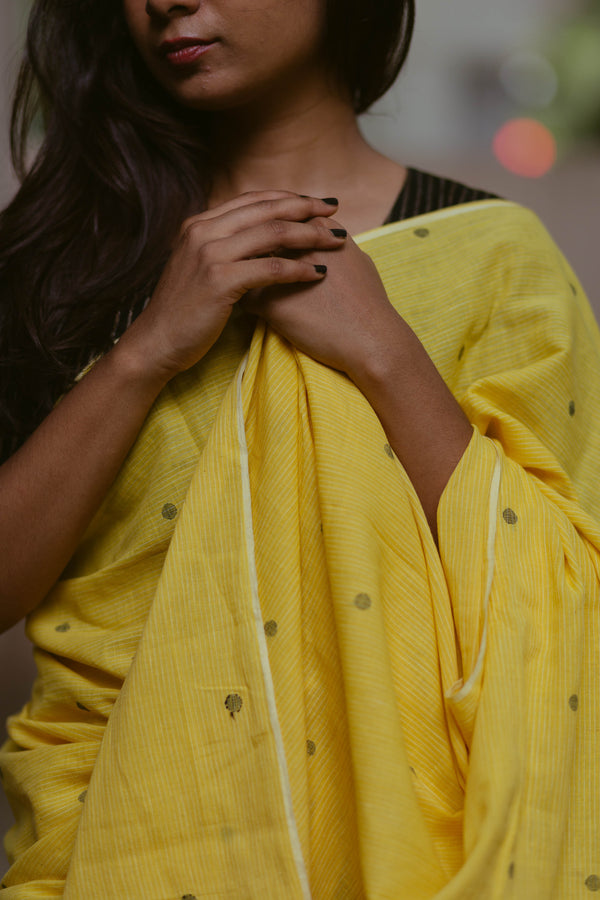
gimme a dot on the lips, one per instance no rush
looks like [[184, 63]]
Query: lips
[[183, 52], [173, 46]]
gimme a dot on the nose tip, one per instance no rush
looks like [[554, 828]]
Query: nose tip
[[166, 8]]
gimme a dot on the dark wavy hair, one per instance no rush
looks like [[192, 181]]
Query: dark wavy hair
[[121, 165]]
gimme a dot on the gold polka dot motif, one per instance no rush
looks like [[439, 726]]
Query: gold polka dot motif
[[510, 516], [311, 748], [271, 628], [421, 232], [574, 702], [233, 703], [362, 601], [169, 511], [593, 883]]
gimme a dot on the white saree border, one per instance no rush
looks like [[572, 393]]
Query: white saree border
[[456, 693], [284, 780], [437, 215]]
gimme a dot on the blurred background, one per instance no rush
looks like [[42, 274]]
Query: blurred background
[[501, 94]]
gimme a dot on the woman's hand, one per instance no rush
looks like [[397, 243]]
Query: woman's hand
[[218, 257], [83, 442], [344, 321], [347, 322]]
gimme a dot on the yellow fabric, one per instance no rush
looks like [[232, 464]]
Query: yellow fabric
[[259, 678]]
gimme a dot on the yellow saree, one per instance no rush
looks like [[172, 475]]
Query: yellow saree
[[259, 678]]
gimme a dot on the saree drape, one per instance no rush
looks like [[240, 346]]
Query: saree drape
[[260, 678]]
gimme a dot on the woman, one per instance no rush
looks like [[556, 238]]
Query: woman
[[305, 624]]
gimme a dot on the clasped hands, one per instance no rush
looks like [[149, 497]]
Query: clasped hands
[[344, 320], [267, 250]]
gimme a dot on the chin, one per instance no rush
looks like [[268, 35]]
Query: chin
[[210, 99], [211, 92]]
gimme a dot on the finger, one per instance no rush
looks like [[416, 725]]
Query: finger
[[275, 237], [291, 207], [240, 201], [264, 272], [329, 222]]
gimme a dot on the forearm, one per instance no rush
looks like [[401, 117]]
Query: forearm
[[425, 425], [52, 487]]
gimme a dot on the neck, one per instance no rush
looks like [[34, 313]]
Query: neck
[[301, 144], [310, 144]]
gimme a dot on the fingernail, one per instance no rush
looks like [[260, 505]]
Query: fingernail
[[339, 232], [321, 269], [332, 201]]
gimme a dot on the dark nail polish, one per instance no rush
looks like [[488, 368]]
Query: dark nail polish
[[339, 232], [332, 201], [321, 269]]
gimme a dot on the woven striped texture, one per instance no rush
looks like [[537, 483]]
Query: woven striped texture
[[259, 679]]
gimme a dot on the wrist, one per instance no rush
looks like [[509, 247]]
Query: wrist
[[386, 360], [133, 364]]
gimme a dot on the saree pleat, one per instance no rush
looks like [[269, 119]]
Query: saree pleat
[[259, 676]]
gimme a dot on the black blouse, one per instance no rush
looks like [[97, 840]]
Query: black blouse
[[423, 193]]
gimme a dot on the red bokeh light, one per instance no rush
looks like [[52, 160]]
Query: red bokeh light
[[525, 147]]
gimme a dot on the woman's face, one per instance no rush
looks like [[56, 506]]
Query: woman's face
[[244, 48]]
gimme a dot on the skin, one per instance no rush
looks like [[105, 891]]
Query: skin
[[277, 119], [260, 45], [279, 128]]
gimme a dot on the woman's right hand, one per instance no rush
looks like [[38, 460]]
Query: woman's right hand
[[53, 485], [218, 256]]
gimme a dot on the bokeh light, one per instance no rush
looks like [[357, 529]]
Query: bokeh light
[[525, 147], [529, 79]]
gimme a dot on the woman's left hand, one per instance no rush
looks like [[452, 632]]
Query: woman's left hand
[[347, 322], [344, 321]]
